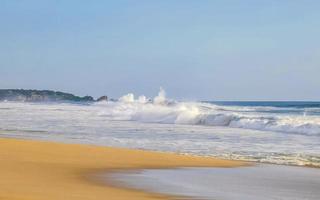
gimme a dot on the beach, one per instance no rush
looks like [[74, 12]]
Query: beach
[[32, 170], [141, 100], [76, 151]]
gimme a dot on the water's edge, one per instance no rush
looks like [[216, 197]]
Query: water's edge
[[259, 182]]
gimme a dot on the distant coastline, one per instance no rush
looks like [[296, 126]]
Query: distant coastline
[[22, 95]]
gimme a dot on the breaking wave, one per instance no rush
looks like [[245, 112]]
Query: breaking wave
[[162, 110]]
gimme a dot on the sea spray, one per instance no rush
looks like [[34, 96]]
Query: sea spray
[[162, 110]]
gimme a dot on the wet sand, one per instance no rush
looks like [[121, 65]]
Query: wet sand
[[34, 170], [258, 182]]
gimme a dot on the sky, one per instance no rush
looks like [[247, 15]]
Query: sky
[[195, 49]]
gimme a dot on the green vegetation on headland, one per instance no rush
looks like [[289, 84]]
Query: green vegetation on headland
[[42, 96]]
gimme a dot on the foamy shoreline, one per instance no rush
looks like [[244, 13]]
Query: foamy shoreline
[[166, 127]]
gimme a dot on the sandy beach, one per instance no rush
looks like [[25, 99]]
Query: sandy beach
[[46, 170]]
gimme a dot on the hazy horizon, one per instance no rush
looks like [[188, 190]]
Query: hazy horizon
[[197, 50]]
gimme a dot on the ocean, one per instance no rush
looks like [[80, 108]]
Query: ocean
[[269, 132]]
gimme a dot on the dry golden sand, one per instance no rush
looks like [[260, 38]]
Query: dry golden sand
[[34, 170]]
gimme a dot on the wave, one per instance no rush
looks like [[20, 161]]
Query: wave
[[163, 110]]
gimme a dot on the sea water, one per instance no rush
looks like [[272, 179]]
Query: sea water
[[259, 182], [270, 132]]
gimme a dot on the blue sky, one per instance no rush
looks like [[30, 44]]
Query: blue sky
[[196, 50]]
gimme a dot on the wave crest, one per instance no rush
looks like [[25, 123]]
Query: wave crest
[[162, 110]]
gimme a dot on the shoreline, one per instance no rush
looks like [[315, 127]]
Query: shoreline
[[34, 170], [258, 182], [248, 162]]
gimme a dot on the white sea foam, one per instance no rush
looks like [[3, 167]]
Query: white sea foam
[[162, 110]]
